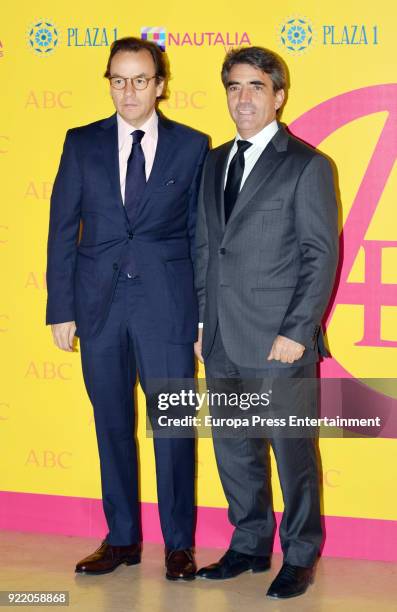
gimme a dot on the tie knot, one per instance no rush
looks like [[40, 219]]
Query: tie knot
[[243, 145], [137, 136]]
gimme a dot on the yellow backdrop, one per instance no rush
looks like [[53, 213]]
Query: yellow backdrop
[[52, 57]]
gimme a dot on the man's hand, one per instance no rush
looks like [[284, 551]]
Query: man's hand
[[198, 345], [63, 334], [286, 350]]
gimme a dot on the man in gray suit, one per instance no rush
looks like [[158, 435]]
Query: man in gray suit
[[267, 249]]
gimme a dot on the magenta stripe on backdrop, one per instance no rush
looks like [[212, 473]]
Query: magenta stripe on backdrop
[[354, 538]]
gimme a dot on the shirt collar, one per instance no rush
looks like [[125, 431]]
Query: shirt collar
[[262, 138], [150, 127]]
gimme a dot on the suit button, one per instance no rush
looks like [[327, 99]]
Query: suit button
[[222, 251], [115, 266], [130, 235]]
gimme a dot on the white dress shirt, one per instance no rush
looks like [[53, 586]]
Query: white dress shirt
[[251, 155], [148, 142]]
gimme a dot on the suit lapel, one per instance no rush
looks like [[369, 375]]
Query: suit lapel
[[108, 138], [219, 181], [267, 163], [164, 151]]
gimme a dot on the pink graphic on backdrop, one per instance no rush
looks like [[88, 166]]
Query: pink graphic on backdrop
[[313, 127]]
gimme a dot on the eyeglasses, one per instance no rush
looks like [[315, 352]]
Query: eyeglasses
[[138, 82]]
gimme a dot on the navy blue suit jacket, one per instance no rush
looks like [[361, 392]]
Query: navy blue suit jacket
[[89, 230]]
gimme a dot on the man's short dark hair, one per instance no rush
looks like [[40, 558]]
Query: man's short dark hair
[[129, 43], [260, 58]]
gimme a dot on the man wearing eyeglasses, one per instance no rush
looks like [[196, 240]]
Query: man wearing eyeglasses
[[127, 185]]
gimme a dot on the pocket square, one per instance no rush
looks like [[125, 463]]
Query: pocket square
[[170, 182]]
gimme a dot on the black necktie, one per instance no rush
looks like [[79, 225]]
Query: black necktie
[[135, 179], [234, 176]]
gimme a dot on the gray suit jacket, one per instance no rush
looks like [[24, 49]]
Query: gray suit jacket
[[271, 269]]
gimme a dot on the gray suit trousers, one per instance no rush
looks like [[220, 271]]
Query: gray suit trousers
[[244, 469]]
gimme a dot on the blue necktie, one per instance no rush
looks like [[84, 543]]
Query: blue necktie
[[135, 179], [234, 176], [135, 182]]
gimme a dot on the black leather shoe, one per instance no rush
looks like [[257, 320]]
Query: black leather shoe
[[107, 557], [232, 564], [291, 581], [180, 564]]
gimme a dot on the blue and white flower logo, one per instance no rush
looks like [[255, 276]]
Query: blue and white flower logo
[[43, 37], [296, 35]]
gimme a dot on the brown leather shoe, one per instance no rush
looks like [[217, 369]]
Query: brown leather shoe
[[180, 564], [107, 557]]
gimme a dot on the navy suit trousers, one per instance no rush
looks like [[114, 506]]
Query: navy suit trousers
[[127, 345]]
